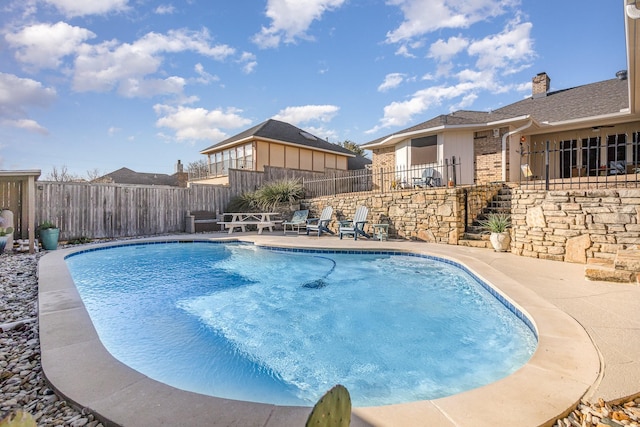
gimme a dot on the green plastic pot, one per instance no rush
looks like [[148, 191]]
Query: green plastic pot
[[49, 238]]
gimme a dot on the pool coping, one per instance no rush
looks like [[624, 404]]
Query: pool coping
[[564, 367]]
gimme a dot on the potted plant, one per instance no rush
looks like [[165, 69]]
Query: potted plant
[[49, 235], [498, 224], [5, 233]]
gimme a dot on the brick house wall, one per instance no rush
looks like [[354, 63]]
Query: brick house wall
[[487, 154]]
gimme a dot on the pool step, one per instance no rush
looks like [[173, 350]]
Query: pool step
[[624, 268]]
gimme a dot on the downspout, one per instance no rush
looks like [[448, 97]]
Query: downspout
[[632, 10], [504, 146]]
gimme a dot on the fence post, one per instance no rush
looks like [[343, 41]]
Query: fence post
[[381, 180], [335, 183], [546, 167], [453, 170]]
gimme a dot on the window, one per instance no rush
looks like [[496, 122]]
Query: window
[[568, 157], [617, 148], [424, 150], [240, 157], [591, 155]]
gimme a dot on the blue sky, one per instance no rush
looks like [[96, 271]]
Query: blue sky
[[104, 84]]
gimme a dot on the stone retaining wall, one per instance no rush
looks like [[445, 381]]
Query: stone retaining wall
[[574, 225], [432, 215]]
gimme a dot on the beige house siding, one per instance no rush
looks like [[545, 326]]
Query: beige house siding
[[276, 156], [460, 146], [262, 155], [306, 159], [318, 161], [292, 157]]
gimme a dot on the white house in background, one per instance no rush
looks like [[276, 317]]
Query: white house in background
[[596, 124]]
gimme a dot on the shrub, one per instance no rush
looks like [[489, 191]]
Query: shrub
[[496, 222], [277, 192], [268, 196]]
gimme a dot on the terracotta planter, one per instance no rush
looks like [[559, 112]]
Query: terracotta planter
[[501, 241]]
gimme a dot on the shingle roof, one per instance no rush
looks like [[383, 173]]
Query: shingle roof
[[595, 99], [591, 100], [285, 132], [358, 162], [128, 176]]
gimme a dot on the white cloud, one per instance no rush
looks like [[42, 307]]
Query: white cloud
[[401, 113], [72, 8], [146, 88], [290, 20], [321, 132], [165, 9], [107, 65], [391, 81], [496, 55], [248, 61], [44, 45], [25, 124], [512, 46], [424, 16], [205, 77], [191, 124], [307, 113], [113, 130], [444, 50], [17, 95]]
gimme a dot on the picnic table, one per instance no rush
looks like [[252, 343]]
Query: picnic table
[[240, 220]]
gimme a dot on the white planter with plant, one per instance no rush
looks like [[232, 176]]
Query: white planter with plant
[[6, 229], [498, 224]]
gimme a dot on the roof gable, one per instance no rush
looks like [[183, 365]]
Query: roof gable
[[281, 131]]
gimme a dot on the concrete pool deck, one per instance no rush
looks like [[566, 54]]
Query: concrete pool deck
[[588, 347]]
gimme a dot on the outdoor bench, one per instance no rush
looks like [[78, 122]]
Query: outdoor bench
[[201, 221]]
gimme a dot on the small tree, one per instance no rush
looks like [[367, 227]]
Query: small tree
[[352, 146], [199, 168], [62, 175]]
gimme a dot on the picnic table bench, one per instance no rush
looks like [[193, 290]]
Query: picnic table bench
[[240, 220]]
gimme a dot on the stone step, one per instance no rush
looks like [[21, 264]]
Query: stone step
[[469, 235], [475, 243], [604, 270], [627, 259]]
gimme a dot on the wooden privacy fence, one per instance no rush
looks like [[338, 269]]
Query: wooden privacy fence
[[121, 210]]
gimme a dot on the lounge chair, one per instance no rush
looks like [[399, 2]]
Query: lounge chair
[[617, 168], [298, 221], [321, 225], [429, 179], [356, 225]]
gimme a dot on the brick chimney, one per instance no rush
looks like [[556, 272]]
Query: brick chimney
[[541, 85], [181, 176]]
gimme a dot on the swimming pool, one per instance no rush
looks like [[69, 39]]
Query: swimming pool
[[237, 321]]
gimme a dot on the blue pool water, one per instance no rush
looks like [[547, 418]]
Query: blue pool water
[[236, 321]]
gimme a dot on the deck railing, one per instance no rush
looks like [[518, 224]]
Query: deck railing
[[381, 180], [596, 162]]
